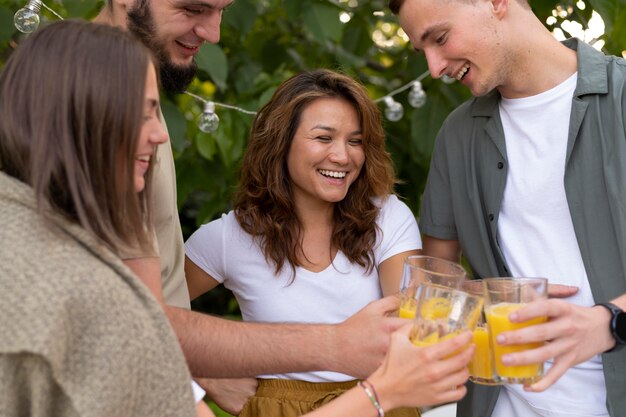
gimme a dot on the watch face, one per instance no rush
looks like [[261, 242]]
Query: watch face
[[620, 326]]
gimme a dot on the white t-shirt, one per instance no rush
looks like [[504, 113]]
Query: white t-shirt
[[231, 256], [537, 239]]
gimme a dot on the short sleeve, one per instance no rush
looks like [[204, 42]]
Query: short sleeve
[[398, 229], [436, 214], [205, 248]]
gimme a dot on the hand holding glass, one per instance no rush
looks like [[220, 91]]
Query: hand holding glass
[[502, 297]]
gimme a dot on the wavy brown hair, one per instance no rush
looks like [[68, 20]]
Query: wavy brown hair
[[71, 111], [264, 204]]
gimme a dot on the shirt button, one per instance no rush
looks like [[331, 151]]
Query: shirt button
[[500, 165], [490, 217]]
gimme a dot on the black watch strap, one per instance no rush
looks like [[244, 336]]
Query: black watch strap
[[617, 326]]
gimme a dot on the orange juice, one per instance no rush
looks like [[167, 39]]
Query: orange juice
[[407, 308], [481, 365], [435, 308], [434, 338], [498, 319]]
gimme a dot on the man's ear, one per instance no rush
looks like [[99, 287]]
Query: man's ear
[[499, 8]]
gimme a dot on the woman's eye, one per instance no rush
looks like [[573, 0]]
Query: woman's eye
[[356, 142]]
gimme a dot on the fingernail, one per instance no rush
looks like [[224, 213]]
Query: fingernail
[[500, 339], [506, 359], [513, 316]]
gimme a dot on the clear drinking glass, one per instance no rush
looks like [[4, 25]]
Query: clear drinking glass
[[421, 268], [481, 366], [502, 297], [442, 313]]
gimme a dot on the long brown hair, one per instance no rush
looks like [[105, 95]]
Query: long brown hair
[[264, 204], [71, 108]]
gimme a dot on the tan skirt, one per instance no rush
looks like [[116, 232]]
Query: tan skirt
[[286, 398]]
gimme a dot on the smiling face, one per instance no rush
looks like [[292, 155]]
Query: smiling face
[[463, 40], [326, 153], [174, 30], [152, 131]]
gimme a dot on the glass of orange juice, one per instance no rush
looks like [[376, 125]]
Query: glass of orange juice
[[442, 313], [481, 367], [502, 297], [419, 269]]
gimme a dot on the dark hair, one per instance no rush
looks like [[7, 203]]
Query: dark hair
[[264, 204], [71, 108], [395, 5]]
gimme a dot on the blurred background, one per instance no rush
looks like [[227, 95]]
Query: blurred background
[[266, 41]]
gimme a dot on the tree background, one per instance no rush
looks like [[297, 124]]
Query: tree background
[[266, 41]]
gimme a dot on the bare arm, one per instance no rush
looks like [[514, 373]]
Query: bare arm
[[390, 272], [198, 281], [217, 347], [409, 377], [149, 272], [439, 248]]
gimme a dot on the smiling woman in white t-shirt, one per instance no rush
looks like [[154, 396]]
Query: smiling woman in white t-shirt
[[316, 232]]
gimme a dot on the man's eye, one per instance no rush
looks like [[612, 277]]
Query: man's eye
[[442, 39], [193, 11]]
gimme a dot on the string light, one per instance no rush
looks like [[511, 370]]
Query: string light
[[417, 96], [208, 121], [393, 110], [27, 20], [447, 79]]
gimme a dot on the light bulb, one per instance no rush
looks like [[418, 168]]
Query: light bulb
[[208, 121], [417, 96], [447, 79], [394, 110], [26, 19]]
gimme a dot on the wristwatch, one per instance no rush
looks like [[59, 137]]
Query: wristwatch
[[617, 325]]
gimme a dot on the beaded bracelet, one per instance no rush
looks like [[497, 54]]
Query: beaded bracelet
[[371, 394]]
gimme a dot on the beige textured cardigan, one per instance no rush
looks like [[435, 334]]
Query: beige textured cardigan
[[79, 334]]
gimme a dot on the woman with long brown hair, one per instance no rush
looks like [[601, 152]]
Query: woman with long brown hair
[[79, 333], [316, 232]]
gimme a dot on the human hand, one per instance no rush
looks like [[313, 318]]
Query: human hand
[[573, 334], [415, 377], [229, 394], [363, 339], [561, 291]]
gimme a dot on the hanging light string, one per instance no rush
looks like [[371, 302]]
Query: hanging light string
[[27, 20], [208, 121]]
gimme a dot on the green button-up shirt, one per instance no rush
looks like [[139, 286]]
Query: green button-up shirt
[[466, 184]]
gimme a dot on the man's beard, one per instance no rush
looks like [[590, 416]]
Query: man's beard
[[174, 78]]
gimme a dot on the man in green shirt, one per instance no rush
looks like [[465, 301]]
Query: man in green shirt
[[527, 178]]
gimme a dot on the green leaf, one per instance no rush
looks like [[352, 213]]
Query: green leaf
[[610, 10], [212, 59], [6, 22], [176, 124], [322, 20], [241, 16], [78, 8], [293, 9], [205, 142], [356, 37]]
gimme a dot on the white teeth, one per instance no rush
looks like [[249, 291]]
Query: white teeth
[[143, 158], [334, 174], [462, 72]]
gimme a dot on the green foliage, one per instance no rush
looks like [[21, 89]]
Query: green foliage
[[263, 43]]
